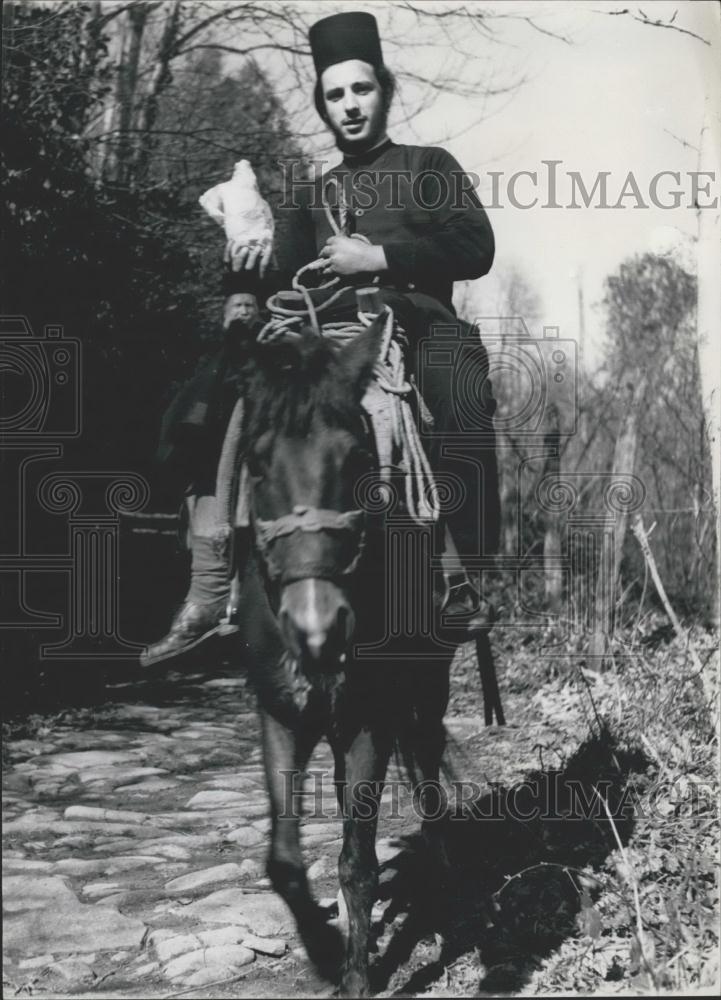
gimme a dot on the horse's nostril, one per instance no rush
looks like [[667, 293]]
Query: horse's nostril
[[315, 645], [316, 621]]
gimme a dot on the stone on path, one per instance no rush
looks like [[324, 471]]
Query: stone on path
[[223, 935], [40, 961], [207, 876], [145, 970], [72, 970], [387, 850], [76, 841], [168, 820], [205, 965], [45, 911], [128, 863], [148, 785], [245, 836], [114, 776], [188, 841], [250, 868], [262, 913], [96, 890], [330, 830], [320, 868], [24, 892], [34, 824], [173, 852], [265, 946], [20, 865], [102, 866], [315, 840], [256, 808], [232, 783], [196, 733], [215, 798], [84, 759], [28, 748], [105, 815], [167, 944]]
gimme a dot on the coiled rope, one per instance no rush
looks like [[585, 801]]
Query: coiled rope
[[385, 401]]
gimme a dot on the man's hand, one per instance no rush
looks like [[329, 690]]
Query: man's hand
[[347, 256], [244, 256]]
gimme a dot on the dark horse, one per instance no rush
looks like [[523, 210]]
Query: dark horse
[[315, 590]]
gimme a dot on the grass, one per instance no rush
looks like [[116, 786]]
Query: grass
[[641, 915]]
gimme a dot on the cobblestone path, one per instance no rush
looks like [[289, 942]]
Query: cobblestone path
[[134, 840]]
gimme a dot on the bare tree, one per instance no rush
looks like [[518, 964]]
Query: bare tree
[[153, 41]]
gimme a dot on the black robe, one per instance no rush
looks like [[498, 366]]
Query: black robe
[[418, 204], [414, 201]]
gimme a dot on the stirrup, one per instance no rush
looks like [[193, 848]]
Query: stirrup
[[229, 625], [465, 611]]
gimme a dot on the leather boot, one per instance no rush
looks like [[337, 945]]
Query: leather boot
[[208, 611], [192, 625]]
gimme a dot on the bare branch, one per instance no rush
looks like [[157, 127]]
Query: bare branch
[[275, 46], [658, 23]]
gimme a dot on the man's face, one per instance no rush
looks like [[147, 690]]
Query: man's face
[[354, 104], [242, 306]]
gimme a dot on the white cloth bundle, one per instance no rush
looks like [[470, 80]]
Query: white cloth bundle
[[237, 205]]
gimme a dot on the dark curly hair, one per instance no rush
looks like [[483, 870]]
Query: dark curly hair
[[386, 81]]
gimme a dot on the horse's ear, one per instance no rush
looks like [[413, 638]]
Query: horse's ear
[[358, 359]]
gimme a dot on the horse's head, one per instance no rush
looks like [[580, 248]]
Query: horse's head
[[307, 444]]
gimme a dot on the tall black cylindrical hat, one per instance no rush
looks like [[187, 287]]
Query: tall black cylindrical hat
[[351, 35]]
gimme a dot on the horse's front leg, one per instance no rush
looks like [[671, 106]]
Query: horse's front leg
[[364, 768], [285, 758]]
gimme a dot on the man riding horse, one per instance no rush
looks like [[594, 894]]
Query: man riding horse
[[421, 227]]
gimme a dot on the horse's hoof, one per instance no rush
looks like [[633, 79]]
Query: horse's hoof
[[354, 984], [325, 948]]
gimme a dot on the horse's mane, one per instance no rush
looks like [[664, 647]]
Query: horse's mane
[[288, 383]]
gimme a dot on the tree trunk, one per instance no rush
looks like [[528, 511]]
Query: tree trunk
[[510, 540], [624, 464], [127, 87], [708, 318], [160, 79], [553, 575]]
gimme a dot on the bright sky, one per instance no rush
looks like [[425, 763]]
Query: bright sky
[[606, 102], [622, 96]]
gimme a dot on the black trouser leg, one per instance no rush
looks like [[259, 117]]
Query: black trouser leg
[[450, 366]]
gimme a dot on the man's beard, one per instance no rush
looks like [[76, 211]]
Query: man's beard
[[346, 145]]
